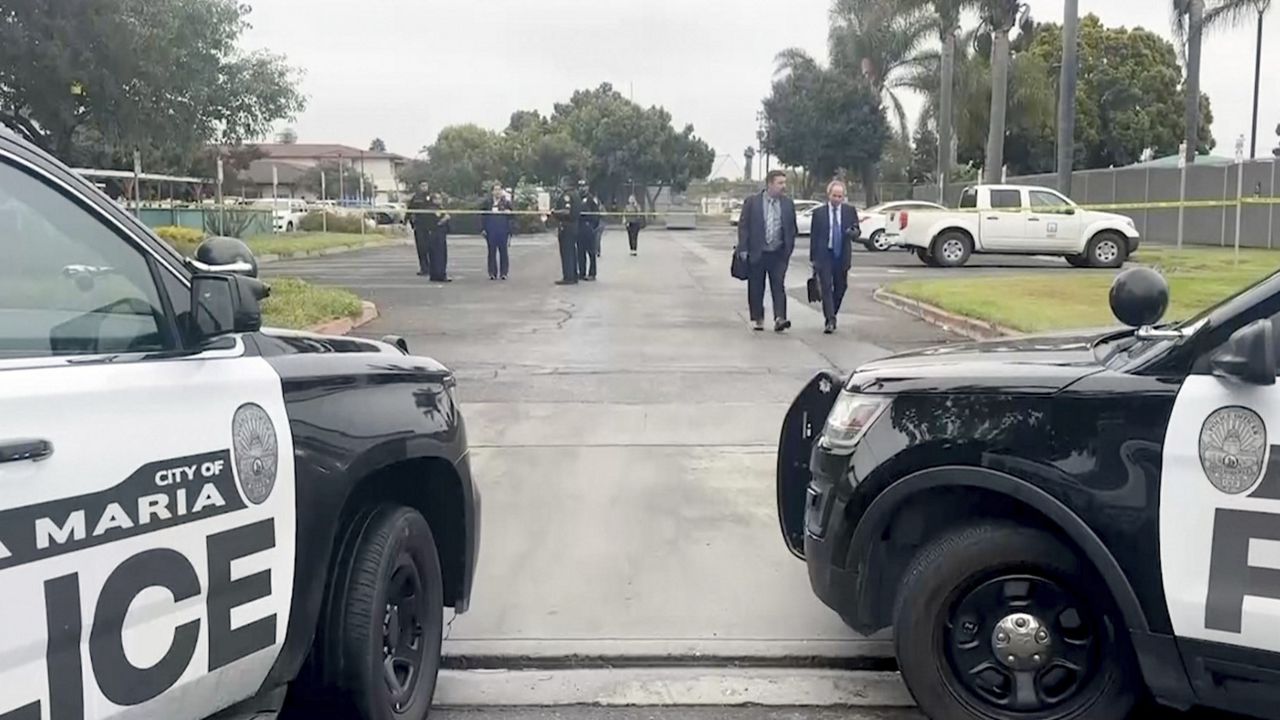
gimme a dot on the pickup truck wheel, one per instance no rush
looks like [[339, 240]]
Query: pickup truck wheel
[[1107, 249], [392, 617], [923, 255], [996, 621], [878, 241], [1079, 261], [952, 249]]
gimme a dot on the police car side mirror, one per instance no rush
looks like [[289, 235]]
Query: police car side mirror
[[223, 304], [1249, 356]]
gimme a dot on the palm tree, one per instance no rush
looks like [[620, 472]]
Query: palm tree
[[882, 40], [1191, 19], [948, 18], [1067, 94], [998, 17]]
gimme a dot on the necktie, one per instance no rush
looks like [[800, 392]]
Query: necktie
[[836, 246]]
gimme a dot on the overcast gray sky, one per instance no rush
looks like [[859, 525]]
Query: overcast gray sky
[[403, 69]]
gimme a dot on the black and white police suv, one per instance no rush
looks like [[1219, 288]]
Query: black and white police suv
[[196, 514], [1056, 527]]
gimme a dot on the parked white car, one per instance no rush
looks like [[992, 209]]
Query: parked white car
[[1014, 220], [286, 213], [804, 215], [872, 221]]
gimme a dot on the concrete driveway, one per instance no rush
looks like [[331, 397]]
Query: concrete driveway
[[624, 437]]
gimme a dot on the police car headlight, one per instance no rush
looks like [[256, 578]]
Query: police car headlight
[[849, 419]]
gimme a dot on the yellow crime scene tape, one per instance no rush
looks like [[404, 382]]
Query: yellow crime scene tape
[[1162, 205]]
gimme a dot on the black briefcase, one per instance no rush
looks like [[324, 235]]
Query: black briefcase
[[815, 290], [738, 268]]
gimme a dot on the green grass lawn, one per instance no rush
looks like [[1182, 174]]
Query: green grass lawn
[[298, 305], [291, 243], [1069, 298]]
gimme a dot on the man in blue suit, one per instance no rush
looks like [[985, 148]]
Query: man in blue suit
[[835, 227], [766, 239]]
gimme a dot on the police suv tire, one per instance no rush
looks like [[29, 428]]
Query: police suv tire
[[1107, 249], [390, 537], [951, 249], [960, 559]]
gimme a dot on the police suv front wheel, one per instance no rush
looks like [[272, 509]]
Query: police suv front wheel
[[392, 617], [996, 622]]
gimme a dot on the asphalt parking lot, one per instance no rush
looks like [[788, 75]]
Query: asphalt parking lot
[[624, 437]]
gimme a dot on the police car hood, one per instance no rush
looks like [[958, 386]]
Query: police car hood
[[308, 342], [1027, 365], [276, 342]]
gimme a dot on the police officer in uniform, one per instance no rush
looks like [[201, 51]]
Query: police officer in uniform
[[421, 225], [567, 211], [437, 240], [587, 224]]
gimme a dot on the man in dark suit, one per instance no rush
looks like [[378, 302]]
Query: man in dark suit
[[766, 239], [835, 227]]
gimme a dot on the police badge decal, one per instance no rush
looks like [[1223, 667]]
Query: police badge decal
[[1233, 448], [256, 452]]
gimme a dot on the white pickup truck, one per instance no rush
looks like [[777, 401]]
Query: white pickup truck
[[1013, 220]]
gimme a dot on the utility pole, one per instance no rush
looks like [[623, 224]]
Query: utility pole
[[1067, 95]]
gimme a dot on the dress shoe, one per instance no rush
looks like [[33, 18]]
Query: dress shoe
[[830, 328], [781, 325]]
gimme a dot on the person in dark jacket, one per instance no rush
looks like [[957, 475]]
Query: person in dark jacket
[[438, 240], [495, 225], [420, 201], [567, 211], [766, 238], [588, 221], [835, 227], [635, 223]]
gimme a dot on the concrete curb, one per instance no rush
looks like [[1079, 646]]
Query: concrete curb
[[342, 326], [268, 258], [670, 687], [959, 324]]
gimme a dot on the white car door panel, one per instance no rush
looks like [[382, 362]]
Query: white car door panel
[[1220, 513], [1053, 224], [147, 517], [1003, 226], [147, 562]]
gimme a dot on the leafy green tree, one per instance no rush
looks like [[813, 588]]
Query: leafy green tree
[[1129, 95], [924, 156], [91, 80], [378, 145], [463, 158], [824, 120], [629, 145]]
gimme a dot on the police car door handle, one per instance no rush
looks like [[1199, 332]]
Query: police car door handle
[[22, 450]]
